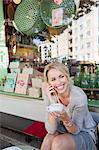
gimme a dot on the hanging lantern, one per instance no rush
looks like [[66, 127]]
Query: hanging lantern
[[58, 2], [17, 1]]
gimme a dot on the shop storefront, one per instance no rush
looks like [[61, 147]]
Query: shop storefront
[[20, 81]]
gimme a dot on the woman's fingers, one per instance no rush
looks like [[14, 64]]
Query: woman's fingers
[[60, 115]]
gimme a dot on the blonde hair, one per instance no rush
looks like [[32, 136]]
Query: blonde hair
[[58, 66]]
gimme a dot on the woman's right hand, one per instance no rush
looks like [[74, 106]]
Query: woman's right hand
[[51, 93]]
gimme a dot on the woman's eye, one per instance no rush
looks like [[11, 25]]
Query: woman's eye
[[61, 76]]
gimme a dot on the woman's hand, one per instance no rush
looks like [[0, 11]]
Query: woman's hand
[[51, 93], [63, 116]]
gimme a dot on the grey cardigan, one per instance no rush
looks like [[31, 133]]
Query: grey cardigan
[[78, 111]]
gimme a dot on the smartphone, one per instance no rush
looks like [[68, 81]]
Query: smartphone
[[54, 93]]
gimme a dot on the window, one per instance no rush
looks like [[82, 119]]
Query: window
[[82, 46], [81, 27], [75, 30], [81, 36], [88, 55], [76, 39], [88, 22], [88, 44], [76, 48], [88, 33]]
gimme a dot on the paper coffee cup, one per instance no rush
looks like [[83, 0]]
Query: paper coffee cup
[[55, 107]]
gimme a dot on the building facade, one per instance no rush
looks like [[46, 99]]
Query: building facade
[[85, 37], [79, 41]]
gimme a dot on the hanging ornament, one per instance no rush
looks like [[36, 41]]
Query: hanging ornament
[[17, 1], [58, 2]]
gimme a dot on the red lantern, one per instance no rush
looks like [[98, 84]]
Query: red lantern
[[58, 2]]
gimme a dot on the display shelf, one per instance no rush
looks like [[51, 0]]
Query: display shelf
[[91, 89], [92, 93], [93, 103], [20, 95]]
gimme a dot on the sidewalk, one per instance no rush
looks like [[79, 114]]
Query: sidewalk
[[9, 138]]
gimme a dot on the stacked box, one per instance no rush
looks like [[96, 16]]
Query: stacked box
[[27, 70], [37, 82], [15, 67], [22, 83], [34, 92]]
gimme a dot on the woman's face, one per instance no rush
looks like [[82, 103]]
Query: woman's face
[[58, 80]]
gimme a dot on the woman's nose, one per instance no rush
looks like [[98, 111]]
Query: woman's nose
[[58, 81]]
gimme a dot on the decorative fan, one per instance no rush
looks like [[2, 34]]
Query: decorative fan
[[57, 14], [27, 17]]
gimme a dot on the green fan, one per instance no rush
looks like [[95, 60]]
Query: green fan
[[27, 17], [47, 8]]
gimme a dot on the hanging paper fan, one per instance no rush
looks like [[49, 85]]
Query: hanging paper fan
[[27, 17], [57, 13]]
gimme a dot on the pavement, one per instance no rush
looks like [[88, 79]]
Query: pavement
[[10, 138]]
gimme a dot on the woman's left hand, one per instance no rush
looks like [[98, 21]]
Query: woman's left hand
[[63, 116]]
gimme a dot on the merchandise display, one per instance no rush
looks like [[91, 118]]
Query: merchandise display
[[10, 82], [22, 83], [23, 80]]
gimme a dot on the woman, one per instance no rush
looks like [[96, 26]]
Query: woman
[[73, 128]]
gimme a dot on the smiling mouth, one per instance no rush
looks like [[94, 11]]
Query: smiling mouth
[[61, 87]]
